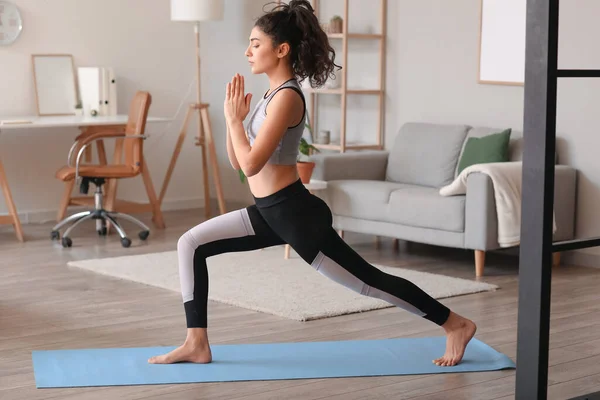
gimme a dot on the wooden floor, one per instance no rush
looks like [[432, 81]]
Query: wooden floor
[[46, 305]]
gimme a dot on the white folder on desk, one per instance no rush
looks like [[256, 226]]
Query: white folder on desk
[[112, 91], [98, 90]]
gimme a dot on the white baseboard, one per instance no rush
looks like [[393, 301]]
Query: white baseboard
[[44, 216], [581, 259]]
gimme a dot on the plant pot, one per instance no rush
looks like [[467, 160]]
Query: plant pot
[[336, 25], [305, 170]]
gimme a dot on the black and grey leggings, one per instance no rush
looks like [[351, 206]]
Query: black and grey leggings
[[294, 216]]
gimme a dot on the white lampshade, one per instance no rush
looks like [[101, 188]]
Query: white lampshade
[[196, 10]]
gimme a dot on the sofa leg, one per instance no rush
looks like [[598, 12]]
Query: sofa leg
[[479, 262], [555, 260]]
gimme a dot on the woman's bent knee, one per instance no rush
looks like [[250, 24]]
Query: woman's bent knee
[[186, 243]]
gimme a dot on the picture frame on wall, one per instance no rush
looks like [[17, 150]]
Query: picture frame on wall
[[54, 84], [502, 42]]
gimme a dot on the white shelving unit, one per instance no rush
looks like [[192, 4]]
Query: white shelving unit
[[344, 90]]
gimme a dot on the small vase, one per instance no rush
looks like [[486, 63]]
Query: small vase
[[336, 25], [323, 137]]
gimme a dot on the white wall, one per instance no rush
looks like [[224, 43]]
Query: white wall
[[431, 76]]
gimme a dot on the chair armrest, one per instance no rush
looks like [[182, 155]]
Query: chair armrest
[[365, 165], [80, 140], [112, 134], [86, 133], [481, 218], [98, 136]]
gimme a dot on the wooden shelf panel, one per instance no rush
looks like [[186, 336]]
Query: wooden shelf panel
[[324, 91], [364, 91], [355, 36], [355, 146], [348, 91]]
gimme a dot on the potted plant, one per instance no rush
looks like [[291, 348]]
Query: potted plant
[[304, 165]]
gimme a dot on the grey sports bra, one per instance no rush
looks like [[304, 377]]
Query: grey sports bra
[[286, 152]]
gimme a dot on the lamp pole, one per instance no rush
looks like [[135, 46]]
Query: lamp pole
[[196, 11], [201, 140]]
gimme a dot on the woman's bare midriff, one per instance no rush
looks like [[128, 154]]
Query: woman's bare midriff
[[272, 178]]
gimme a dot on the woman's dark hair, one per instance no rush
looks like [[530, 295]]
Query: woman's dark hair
[[296, 24]]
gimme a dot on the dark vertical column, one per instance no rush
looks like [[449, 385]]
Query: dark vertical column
[[538, 197]]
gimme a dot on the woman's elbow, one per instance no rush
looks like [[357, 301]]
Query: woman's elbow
[[251, 169], [252, 165]]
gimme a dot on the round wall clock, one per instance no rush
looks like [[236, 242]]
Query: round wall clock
[[11, 24]]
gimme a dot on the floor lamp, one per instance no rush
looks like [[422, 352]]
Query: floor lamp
[[196, 11]]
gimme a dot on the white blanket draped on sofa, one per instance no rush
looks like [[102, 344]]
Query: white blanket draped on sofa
[[506, 178]]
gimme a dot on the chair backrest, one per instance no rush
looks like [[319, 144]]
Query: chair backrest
[[136, 125]]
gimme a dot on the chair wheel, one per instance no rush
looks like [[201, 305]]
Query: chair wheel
[[144, 235], [66, 242], [125, 242], [102, 232], [54, 235]]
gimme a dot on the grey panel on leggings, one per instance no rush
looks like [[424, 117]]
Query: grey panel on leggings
[[334, 271], [227, 226]]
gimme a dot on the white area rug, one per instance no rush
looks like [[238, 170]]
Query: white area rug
[[262, 280]]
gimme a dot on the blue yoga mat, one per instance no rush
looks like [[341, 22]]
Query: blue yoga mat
[[248, 362]]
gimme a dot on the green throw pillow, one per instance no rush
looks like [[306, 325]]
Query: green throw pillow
[[486, 149]]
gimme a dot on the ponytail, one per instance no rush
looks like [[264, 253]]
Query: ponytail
[[311, 54]]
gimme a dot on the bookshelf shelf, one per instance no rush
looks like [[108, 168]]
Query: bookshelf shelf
[[355, 36]]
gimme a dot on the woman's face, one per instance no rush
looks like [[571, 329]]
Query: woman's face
[[261, 54]]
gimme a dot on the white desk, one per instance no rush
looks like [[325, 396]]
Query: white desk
[[36, 122], [88, 126]]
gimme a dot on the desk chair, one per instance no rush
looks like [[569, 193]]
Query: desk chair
[[133, 165]]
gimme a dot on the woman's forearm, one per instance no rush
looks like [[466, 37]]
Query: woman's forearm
[[230, 152], [241, 147]]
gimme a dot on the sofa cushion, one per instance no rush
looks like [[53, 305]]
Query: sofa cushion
[[515, 145], [426, 154], [361, 198], [424, 207], [486, 149], [410, 205]]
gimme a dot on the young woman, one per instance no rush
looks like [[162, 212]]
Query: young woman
[[287, 44]]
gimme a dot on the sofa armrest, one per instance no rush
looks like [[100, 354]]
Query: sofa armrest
[[481, 219], [565, 195], [366, 165]]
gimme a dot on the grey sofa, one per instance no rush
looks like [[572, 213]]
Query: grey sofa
[[395, 193]]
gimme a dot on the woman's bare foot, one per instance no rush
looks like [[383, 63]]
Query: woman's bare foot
[[459, 332], [195, 349]]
